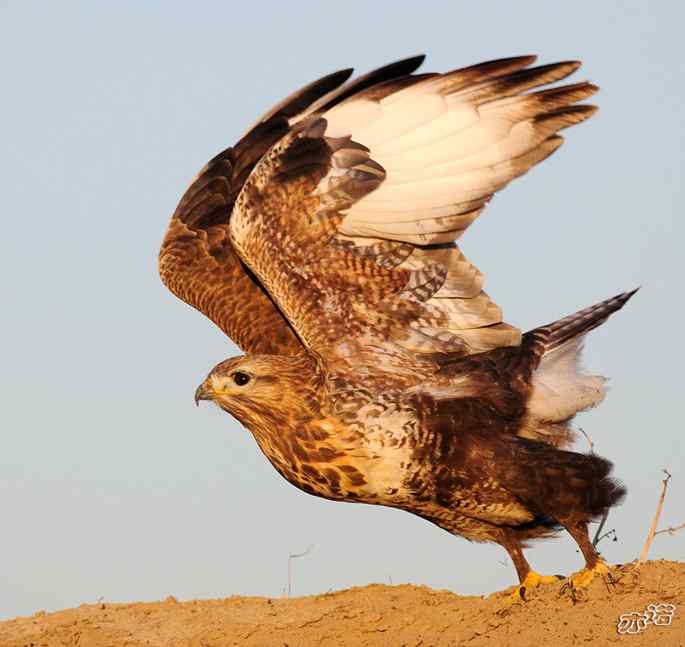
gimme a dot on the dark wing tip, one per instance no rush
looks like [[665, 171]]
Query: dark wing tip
[[396, 70], [407, 65], [393, 70], [337, 78], [528, 59]]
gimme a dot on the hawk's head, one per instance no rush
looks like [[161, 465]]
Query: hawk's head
[[257, 389]]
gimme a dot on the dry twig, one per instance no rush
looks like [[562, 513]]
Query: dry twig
[[610, 533], [670, 531], [292, 556], [598, 534], [592, 445], [652, 529]]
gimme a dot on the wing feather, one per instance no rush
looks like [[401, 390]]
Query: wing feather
[[197, 261], [349, 221]]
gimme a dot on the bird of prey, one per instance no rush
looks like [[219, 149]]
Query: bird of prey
[[376, 368]]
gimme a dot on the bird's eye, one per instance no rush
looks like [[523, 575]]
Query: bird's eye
[[240, 378]]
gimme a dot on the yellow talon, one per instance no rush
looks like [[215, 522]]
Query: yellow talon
[[532, 581], [582, 580]]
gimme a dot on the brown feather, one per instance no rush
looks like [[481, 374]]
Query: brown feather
[[196, 259]]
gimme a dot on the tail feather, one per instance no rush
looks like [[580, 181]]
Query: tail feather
[[547, 339]]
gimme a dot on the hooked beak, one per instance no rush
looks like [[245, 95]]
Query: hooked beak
[[202, 393]]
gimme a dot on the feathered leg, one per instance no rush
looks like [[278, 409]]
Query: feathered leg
[[528, 578]]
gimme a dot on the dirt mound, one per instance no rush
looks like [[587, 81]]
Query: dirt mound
[[392, 616]]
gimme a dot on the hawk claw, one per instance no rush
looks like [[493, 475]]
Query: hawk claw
[[576, 586], [532, 581]]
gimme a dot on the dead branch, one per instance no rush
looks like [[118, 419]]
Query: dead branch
[[670, 531], [609, 533], [592, 445], [291, 557], [597, 537], [652, 529]]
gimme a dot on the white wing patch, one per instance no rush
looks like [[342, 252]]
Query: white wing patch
[[447, 143], [447, 146]]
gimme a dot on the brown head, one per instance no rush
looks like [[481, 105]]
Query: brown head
[[263, 390]]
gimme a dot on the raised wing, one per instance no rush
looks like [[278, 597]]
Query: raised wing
[[197, 261], [350, 220]]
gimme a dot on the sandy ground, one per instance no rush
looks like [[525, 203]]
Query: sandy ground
[[392, 616]]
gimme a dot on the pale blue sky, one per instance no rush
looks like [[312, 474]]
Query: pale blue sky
[[112, 483]]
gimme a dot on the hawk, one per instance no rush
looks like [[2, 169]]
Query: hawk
[[376, 368]]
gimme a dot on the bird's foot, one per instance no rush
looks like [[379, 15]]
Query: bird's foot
[[578, 583], [532, 581]]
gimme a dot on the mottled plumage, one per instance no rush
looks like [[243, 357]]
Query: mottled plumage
[[378, 370]]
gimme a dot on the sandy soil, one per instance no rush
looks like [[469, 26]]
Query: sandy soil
[[392, 616]]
